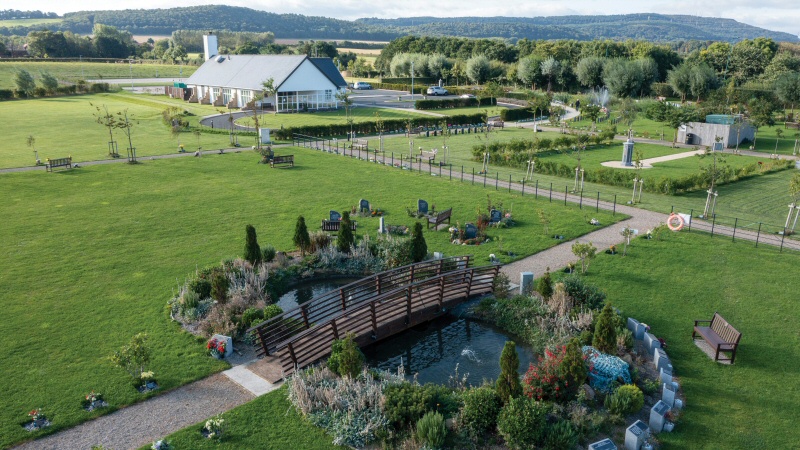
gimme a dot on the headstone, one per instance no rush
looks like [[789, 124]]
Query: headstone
[[438, 255], [335, 216], [660, 358], [495, 216], [635, 435], [228, 343], [605, 444], [668, 394], [657, 413], [627, 153], [665, 374], [636, 328], [381, 226], [470, 231], [718, 146], [363, 205], [264, 132], [651, 343], [525, 282], [422, 206]]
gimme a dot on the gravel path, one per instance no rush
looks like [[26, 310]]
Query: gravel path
[[142, 423]]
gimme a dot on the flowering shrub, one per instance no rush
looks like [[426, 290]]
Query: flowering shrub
[[557, 378], [213, 428], [217, 347]]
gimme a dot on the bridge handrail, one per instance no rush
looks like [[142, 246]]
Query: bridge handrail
[[289, 322]]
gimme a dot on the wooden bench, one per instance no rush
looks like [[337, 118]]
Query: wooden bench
[[360, 144], [427, 156], [440, 218], [497, 124], [794, 125], [415, 130], [720, 335], [333, 225], [282, 160], [58, 162]]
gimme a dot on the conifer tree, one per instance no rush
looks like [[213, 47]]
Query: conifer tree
[[572, 368], [345, 239], [419, 248], [301, 238], [508, 385], [252, 251], [545, 285], [605, 335]]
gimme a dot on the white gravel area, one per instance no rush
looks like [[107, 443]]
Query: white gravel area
[[142, 423]]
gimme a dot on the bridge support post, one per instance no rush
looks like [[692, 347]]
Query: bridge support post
[[291, 353], [408, 305], [374, 321]]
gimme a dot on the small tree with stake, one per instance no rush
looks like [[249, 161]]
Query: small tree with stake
[[301, 237], [626, 233], [30, 141], [106, 119], [125, 122], [585, 253]]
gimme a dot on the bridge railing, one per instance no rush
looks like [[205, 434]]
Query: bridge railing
[[388, 313], [272, 334]]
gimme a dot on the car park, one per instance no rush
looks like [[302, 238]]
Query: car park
[[361, 85], [437, 90]]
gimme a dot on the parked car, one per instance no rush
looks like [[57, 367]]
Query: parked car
[[437, 90], [467, 95], [361, 85]]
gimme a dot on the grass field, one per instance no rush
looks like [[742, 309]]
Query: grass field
[[92, 255], [74, 71], [27, 22], [336, 117], [269, 422], [668, 284]]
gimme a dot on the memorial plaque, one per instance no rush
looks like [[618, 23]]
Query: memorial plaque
[[665, 373], [525, 282], [660, 358], [335, 216], [668, 394], [635, 435], [422, 206], [657, 413], [651, 343], [605, 444]]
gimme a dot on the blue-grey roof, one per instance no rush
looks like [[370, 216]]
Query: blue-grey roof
[[329, 69], [250, 71]]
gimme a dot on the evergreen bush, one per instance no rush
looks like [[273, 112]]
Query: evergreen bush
[[268, 253], [508, 385], [605, 333], [252, 251], [431, 430], [346, 358], [627, 399], [522, 423], [544, 286], [219, 286], [301, 238], [405, 403], [561, 435], [583, 293], [345, 239], [419, 248], [480, 410]]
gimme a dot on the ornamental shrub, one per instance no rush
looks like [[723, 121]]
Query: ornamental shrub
[[605, 333], [522, 422], [271, 311], [544, 286], [431, 430], [268, 253], [219, 286], [582, 293], [553, 379], [301, 238], [345, 239], [252, 251], [627, 399], [419, 248], [405, 403], [508, 382], [480, 410], [201, 286], [573, 368], [252, 316], [560, 435], [346, 358]]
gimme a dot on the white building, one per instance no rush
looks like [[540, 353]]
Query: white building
[[235, 81]]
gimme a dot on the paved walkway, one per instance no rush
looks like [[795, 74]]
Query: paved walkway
[[648, 163]]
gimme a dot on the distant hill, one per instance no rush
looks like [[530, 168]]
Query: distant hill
[[652, 27]]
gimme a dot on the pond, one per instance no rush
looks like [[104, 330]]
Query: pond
[[433, 350], [310, 289]]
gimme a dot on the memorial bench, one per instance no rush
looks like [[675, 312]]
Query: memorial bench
[[720, 335], [58, 162], [415, 130], [333, 225], [282, 160], [427, 156], [440, 218], [360, 144], [793, 125]]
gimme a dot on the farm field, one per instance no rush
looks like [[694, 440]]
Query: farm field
[[74, 71], [128, 234], [27, 22], [688, 276]]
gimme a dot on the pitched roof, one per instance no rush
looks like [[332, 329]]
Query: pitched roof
[[326, 66], [246, 71]]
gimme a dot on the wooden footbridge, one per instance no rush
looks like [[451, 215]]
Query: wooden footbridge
[[372, 309]]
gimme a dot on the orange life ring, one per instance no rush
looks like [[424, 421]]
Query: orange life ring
[[675, 222]]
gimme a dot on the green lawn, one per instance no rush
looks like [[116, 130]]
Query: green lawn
[[27, 22], [335, 117], [668, 284], [74, 71], [269, 422], [92, 255]]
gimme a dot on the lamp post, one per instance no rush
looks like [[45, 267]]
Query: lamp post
[[130, 70], [412, 81]]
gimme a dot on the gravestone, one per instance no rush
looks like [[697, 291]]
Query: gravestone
[[657, 413], [605, 444], [228, 343], [668, 394], [525, 282], [635, 435], [438, 255], [495, 216], [335, 216], [627, 153], [363, 205], [422, 206], [660, 358], [381, 226], [665, 374], [470, 231], [651, 343], [636, 328]]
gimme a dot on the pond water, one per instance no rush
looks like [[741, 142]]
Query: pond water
[[433, 350], [308, 290]]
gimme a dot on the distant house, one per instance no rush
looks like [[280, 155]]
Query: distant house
[[235, 81]]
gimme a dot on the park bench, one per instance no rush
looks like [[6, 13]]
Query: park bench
[[360, 144], [794, 125], [58, 162], [416, 130], [497, 124], [282, 160], [720, 335], [427, 156], [440, 218], [333, 225]]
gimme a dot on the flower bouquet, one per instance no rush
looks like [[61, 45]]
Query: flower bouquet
[[37, 420], [92, 401], [161, 445], [213, 428], [146, 382], [217, 347]]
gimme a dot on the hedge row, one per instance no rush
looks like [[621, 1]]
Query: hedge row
[[363, 128], [407, 80], [512, 115], [8, 94], [453, 103]]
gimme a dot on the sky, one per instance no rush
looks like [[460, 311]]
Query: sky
[[778, 15]]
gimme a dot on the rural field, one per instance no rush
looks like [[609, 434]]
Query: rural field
[[128, 235], [71, 72]]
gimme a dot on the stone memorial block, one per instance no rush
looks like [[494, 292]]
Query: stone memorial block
[[335, 216], [605, 444], [657, 413], [660, 358], [422, 206], [651, 343], [665, 374], [470, 231], [627, 153], [636, 328], [363, 205], [632, 324], [438, 255], [635, 435], [668, 394], [495, 216], [228, 343], [381, 226], [525, 282]]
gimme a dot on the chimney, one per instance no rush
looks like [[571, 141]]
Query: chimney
[[210, 45]]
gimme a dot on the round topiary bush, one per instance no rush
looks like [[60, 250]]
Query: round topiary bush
[[480, 410], [628, 399], [522, 422], [431, 430]]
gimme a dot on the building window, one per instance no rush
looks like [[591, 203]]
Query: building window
[[247, 96], [226, 95], [329, 95], [214, 94]]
